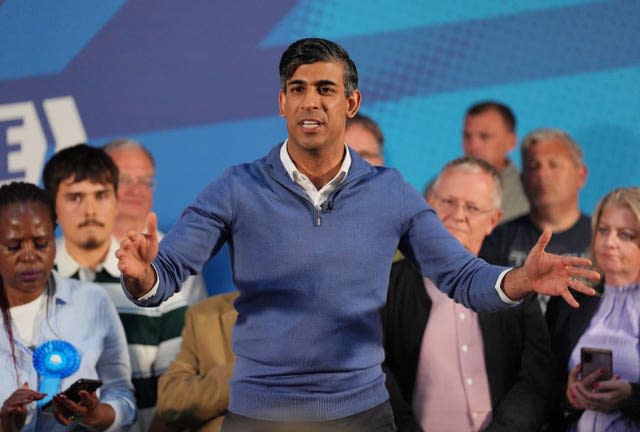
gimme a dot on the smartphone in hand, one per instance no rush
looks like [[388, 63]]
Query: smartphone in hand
[[73, 391], [593, 359]]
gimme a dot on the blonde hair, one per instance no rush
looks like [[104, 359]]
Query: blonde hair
[[628, 197]]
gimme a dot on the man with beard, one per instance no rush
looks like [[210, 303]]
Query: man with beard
[[83, 181]]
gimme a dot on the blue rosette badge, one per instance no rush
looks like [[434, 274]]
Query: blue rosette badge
[[54, 360]]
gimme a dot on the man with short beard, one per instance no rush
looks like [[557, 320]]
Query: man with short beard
[[83, 181]]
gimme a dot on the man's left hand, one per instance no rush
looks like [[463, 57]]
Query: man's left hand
[[550, 274]]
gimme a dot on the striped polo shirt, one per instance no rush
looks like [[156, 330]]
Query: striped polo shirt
[[153, 334]]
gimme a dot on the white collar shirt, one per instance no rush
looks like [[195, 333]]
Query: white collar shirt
[[316, 196]]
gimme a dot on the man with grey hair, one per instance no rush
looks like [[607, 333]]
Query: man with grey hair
[[136, 180], [553, 172], [136, 183], [449, 368]]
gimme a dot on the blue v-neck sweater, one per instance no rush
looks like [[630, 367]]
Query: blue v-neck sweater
[[308, 336]]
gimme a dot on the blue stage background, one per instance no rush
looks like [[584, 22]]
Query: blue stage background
[[197, 81]]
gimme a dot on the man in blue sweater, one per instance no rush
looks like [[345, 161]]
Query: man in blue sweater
[[312, 230]]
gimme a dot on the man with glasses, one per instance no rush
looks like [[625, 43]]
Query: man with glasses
[[365, 136], [449, 368], [136, 168], [136, 184]]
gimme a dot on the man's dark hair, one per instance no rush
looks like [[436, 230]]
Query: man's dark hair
[[505, 112], [313, 50], [370, 125], [80, 162]]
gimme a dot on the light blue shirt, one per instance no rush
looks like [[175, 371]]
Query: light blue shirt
[[82, 314]]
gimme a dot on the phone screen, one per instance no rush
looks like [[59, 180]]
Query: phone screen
[[73, 391], [593, 359]]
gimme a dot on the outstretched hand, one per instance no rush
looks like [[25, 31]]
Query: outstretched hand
[[135, 255], [550, 274]]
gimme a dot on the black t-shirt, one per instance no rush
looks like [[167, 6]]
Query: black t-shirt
[[510, 243]]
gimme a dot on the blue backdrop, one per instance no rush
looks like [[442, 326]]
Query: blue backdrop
[[196, 81]]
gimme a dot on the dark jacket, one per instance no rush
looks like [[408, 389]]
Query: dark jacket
[[566, 326], [516, 345]]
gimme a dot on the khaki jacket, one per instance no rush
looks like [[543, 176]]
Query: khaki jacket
[[194, 392]]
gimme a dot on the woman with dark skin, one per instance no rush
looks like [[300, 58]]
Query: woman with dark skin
[[37, 305]]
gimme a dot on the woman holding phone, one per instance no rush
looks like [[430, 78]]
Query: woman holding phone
[[610, 321], [39, 310]]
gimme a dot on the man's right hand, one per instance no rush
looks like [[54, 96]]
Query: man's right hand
[[135, 255]]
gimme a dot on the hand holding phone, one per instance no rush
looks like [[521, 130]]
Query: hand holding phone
[[73, 391], [593, 359]]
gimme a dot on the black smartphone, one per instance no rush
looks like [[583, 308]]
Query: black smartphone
[[592, 359], [72, 392]]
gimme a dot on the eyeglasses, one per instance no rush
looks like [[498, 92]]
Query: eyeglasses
[[452, 204], [145, 182]]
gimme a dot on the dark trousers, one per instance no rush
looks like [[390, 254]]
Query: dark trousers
[[376, 419]]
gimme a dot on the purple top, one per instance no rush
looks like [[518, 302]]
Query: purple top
[[616, 326]]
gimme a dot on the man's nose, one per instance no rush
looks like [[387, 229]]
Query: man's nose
[[89, 206], [472, 143], [459, 211], [310, 100]]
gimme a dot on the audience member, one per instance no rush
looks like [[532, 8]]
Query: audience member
[[194, 392], [136, 183], [136, 169], [455, 370], [553, 173], [312, 230], [365, 136], [610, 321], [83, 182], [489, 133], [38, 308]]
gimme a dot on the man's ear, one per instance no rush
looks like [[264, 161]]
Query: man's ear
[[282, 102], [582, 174], [353, 103], [428, 197], [513, 140], [495, 220]]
